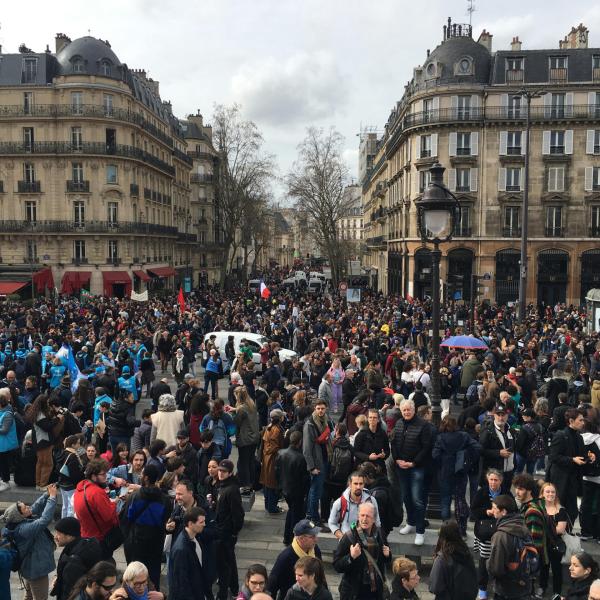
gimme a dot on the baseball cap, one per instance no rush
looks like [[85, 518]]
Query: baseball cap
[[500, 409], [183, 433], [226, 465], [306, 527]]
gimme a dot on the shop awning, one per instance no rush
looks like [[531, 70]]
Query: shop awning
[[73, 281], [142, 275], [116, 277], [162, 271], [10, 287], [43, 280]]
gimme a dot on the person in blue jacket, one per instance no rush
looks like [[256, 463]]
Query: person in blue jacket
[[212, 372], [8, 439], [128, 382], [27, 526], [57, 371]]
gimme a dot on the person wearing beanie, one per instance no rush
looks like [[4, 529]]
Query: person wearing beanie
[[78, 556], [128, 383], [27, 528]]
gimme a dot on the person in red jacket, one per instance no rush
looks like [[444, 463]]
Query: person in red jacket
[[96, 512]]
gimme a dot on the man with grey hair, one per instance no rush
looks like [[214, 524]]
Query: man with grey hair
[[594, 593], [411, 446]]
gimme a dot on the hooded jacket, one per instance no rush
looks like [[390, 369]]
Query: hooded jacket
[[343, 522], [229, 513], [76, 559], [121, 418]]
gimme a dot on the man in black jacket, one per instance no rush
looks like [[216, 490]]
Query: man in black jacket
[[158, 389], [189, 455], [411, 447], [497, 448], [293, 478], [349, 392], [79, 555], [372, 444], [229, 516]]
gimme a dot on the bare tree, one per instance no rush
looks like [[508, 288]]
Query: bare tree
[[316, 181], [245, 171]]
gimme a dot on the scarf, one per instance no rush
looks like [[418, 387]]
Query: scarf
[[324, 431], [133, 596], [493, 494], [179, 365], [299, 552]]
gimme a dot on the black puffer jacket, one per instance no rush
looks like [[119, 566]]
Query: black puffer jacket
[[297, 593], [229, 514], [412, 441], [76, 559], [121, 418], [367, 442]]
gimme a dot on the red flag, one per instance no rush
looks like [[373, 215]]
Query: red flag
[[181, 300]]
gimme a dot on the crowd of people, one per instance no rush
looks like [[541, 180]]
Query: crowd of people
[[343, 438]]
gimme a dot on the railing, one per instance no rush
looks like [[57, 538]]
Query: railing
[[596, 74], [78, 186], [113, 260], [80, 261], [554, 231], [96, 111], [147, 194], [29, 187], [462, 231], [511, 232], [31, 260], [378, 240], [186, 237], [558, 74], [134, 189], [201, 155], [86, 148], [182, 156], [201, 178], [514, 75], [8, 226], [594, 231]]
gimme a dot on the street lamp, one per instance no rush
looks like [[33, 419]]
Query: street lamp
[[528, 95], [437, 214]]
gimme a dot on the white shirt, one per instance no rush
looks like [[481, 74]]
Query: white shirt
[[198, 550]]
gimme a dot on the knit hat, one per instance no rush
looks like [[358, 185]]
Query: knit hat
[[166, 403], [68, 526], [125, 369], [12, 515]]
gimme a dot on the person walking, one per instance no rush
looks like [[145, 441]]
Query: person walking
[[272, 442], [212, 372], [70, 472], [8, 440], [247, 436]]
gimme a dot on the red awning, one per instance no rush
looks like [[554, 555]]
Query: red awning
[[10, 287], [162, 271], [43, 280], [118, 277], [73, 281], [142, 275]]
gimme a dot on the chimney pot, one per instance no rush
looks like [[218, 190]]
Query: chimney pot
[[515, 45]]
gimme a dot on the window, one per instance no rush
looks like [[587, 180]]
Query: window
[[29, 70], [202, 237], [595, 178], [76, 138], [513, 179], [514, 64], [105, 68], [77, 103], [557, 142], [113, 212], [513, 142], [29, 172], [79, 250], [107, 102], [463, 144], [464, 66], [595, 226], [464, 107], [27, 102], [32, 251], [553, 221], [596, 149], [113, 249], [78, 65], [557, 106], [512, 220], [558, 62], [79, 213], [596, 61], [77, 172], [556, 179], [463, 180], [428, 108], [31, 211], [28, 138], [424, 180], [425, 146], [462, 221], [111, 174], [514, 107]]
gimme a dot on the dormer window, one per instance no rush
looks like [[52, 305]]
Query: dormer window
[[431, 70], [464, 66], [105, 68], [78, 65]]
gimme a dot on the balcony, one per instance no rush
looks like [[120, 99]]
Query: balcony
[[514, 75], [186, 237], [554, 232], [182, 156], [201, 178], [147, 194], [29, 187], [109, 227], [594, 231], [201, 155], [379, 240], [81, 260], [511, 232], [31, 260], [596, 74], [134, 190], [202, 221], [78, 186], [113, 260], [558, 75], [460, 231]]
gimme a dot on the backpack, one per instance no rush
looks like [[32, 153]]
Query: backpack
[[525, 563], [20, 370], [342, 463], [472, 396], [537, 447], [9, 544]]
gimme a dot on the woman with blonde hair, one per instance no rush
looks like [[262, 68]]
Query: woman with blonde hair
[[136, 584], [406, 579], [247, 435], [337, 376]]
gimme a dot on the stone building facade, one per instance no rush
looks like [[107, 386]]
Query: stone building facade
[[94, 175], [464, 107]]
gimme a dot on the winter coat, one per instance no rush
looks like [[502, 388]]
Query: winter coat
[[579, 588], [165, 425], [490, 449], [281, 577], [291, 473], [34, 541], [315, 454], [469, 370], [272, 442], [297, 593], [443, 581], [247, 431], [190, 459], [503, 550], [121, 418], [8, 430], [187, 578], [412, 441], [229, 513], [595, 394], [366, 442], [76, 559], [70, 470], [141, 437], [100, 516], [446, 448]]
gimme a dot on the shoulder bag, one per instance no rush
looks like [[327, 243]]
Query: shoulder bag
[[114, 537]]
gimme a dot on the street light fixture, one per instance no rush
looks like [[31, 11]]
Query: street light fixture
[[528, 95], [437, 215]]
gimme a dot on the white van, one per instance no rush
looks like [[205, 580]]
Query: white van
[[315, 285], [254, 285], [255, 341]]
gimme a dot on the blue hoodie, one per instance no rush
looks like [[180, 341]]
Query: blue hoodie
[[97, 402]]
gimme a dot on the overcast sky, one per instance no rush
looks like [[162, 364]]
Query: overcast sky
[[289, 63]]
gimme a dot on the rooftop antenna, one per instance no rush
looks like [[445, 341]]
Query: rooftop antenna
[[471, 9]]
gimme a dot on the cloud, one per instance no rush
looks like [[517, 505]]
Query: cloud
[[301, 89]]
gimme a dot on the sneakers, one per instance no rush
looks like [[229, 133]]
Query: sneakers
[[4, 486], [419, 539], [407, 529]]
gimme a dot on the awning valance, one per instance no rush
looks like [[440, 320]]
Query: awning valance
[[116, 277], [73, 281], [162, 271], [43, 280], [10, 287], [142, 275]]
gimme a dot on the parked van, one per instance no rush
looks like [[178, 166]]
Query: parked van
[[315, 285], [254, 285]]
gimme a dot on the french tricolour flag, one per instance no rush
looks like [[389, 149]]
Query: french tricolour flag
[[264, 290]]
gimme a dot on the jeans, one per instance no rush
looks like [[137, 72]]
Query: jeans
[[590, 510], [295, 513], [522, 463], [227, 571], [336, 396], [314, 495], [412, 482], [245, 465], [213, 380], [456, 488], [555, 564], [271, 497], [67, 503], [37, 589]]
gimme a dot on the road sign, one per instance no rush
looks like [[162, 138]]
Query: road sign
[[343, 286]]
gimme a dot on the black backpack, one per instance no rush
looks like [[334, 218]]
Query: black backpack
[[342, 463]]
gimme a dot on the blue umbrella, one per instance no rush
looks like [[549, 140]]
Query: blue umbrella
[[464, 341]]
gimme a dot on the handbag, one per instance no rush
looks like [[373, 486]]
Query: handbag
[[572, 544], [114, 537], [485, 529]]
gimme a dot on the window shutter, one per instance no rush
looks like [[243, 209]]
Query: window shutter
[[523, 142], [474, 174], [452, 144], [589, 179], [547, 105], [589, 141], [474, 143], [504, 104], [592, 103], [546, 142], [569, 104], [436, 103], [434, 144], [419, 146], [552, 180], [501, 179], [560, 180], [454, 105], [522, 178], [569, 141], [452, 180], [503, 142]]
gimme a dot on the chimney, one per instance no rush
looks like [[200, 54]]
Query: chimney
[[153, 85], [485, 39], [515, 45], [576, 38], [61, 40]]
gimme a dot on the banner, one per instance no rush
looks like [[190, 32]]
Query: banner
[[143, 297], [68, 359]]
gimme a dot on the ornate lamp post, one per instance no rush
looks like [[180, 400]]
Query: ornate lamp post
[[437, 213]]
